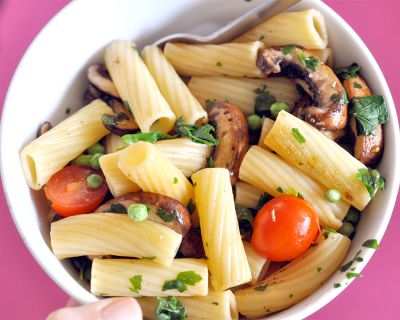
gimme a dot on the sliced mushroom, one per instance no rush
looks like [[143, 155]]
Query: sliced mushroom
[[367, 149], [161, 209], [192, 245], [46, 126], [100, 78], [122, 122], [326, 109], [233, 133], [92, 93]]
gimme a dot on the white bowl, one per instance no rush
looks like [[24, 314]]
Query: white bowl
[[51, 78]]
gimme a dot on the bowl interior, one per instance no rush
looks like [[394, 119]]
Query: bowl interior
[[52, 78]]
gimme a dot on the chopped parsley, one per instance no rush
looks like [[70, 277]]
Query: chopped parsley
[[288, 49], [216, 303], [219, 64], [263, 101], [200, 134], [175, 180], [261, 288], [327, 231], [191, 206], [347, 72], [279, 189], [261, 38], [369, 112], [307, 62], [116, 208], [170, 308], [357, 85], [371, 243], [348, 265], [165, 215], [184, 278], [150, 258], [298, 136], [319, 269], [211, 162], [337, 285], [151, 137], [136, 282], [351, 275], [372, 180]]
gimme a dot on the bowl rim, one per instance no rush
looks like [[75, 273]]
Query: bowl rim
[[322, 300]]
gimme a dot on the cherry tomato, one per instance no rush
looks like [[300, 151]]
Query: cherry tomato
[[284, 228], [69, 193]]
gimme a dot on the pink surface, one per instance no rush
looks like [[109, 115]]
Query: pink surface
[[28, 293]]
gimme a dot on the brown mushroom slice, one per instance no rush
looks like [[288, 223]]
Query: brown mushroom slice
[[161, 209], [122, 122], [46, 126], [327, 107], [233, 133], [367, 149], [100, 78]]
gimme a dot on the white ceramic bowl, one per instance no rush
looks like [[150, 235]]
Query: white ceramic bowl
[[51, 78]]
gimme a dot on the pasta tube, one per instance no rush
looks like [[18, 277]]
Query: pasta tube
[[246, 195], [113, 143], [223, 245], [240, 91], [142, 163], [319, 157], [265, 129], [258, 264], [324, 55], [296, 280], [49, 153], [270, 173], [117, 182], [172, 87], [141, 277], [113, 234], [229, 59], [136, 86], [216, 305], [309, 25]]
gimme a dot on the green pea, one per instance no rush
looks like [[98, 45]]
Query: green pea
[[94, 161], [96, 148], [346, 229], [333, 195], [138, 212], [94, 181], [352, 216], [277, 107], [254, 122], [83, 160]]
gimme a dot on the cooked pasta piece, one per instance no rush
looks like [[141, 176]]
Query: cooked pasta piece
[[265, 129], [324, 55], [319, 157], [270, 173], [186, 155], [114, 277], [152, 171], [113, 143], [241, 91], [296, 280], [216, 305], [113, 234], [49, 153], [229, 59], [136, 86], [258, 264], [174, 90], [309, 25], [227, 262], [246, 195], [117, 182]]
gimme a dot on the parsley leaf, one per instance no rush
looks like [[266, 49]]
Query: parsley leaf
[[263, 101], [347, 72], [165, 215], [136, 282], [211, 162], [219, 64], [369, 112], [288, 49], [357, 85], [348, 265], [191, 207], [307, 62], [337, 285], [170, 309], [116, 208], [351, 275], [298, 136], [372, 180], [199, 134], [371, 243], [184, 278], [148, 137]]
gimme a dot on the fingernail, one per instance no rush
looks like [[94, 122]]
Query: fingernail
[[121, 309]]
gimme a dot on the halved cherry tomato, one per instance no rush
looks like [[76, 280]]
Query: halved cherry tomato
[[69, 194], [284, 228]]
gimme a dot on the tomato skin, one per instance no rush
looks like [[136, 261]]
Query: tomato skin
[[284, 228], [68, 193]]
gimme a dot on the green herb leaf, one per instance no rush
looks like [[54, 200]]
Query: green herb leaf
[[175, 180], [261, 38], [165, 215], [279, 189], [174, 284], [348, 265], [136, 282], [148, 137], [347, 72], [298, 136], [371, 243], [369, 112], [261, 288], [357, 85], [337, 285], [319, 269], [351, 275], [302, 57], [184, 278], [191, 206], [263, 101], [219, 64], [150, 258], [288, 49], [116, 208], [312, 63], [327, 231], [216, 303], [211, 162], [170, 309], [199, 134], [371, 179]]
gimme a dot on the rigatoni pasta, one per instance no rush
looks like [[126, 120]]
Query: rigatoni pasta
[[247, 195], [136, 86], [49, 153], [229, 59], [265, 129], [258, 264]]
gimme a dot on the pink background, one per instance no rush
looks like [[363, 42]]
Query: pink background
[[28, 293]]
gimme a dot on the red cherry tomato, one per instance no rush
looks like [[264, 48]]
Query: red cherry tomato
[[284, 228], [69, 194]]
